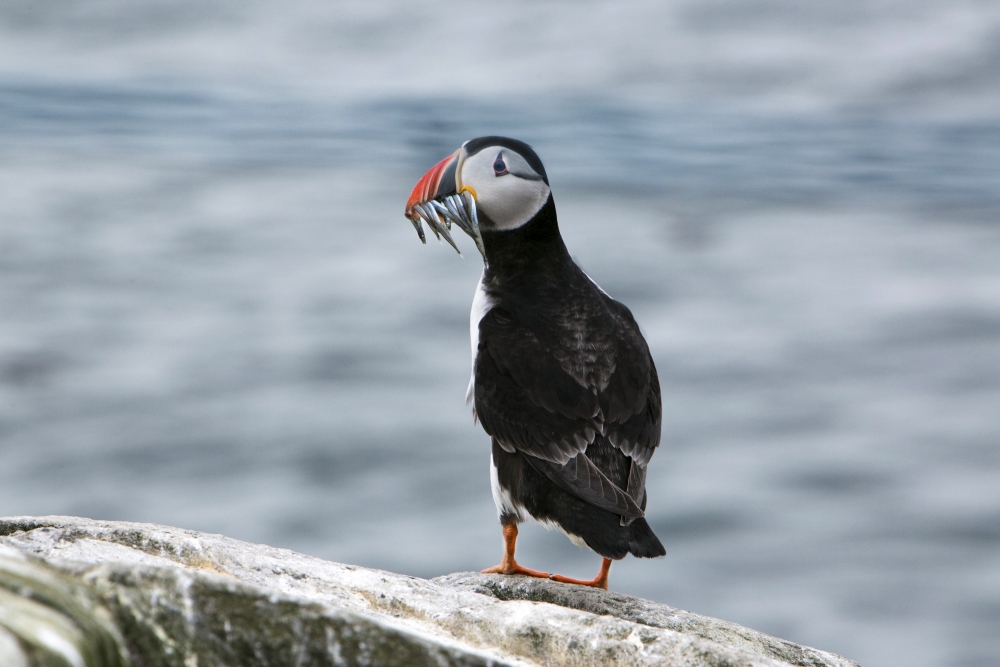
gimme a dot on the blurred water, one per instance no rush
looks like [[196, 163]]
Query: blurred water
[[213, 314]]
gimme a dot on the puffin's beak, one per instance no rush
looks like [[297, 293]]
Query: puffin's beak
[[440, 200]]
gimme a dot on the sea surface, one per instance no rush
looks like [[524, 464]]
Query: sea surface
[[213, 314]]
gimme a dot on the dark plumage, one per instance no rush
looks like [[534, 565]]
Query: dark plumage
[[565, 384]]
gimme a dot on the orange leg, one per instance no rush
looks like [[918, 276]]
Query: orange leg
[[600, 581], [508, 565]]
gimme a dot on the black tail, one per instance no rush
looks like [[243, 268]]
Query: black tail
[[600, 529], [642, 543]]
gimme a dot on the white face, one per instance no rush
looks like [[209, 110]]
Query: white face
[[509, 198]]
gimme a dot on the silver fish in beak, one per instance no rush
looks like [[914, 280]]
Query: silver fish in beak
[[439, 201]]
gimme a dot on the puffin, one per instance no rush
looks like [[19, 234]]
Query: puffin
[[562, 379]]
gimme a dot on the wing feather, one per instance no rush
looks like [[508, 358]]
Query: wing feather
[[583, 479], [530, 402]]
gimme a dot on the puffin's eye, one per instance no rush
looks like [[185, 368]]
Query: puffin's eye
[[499, 166]]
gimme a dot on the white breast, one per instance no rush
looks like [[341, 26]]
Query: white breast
[[481, 304]]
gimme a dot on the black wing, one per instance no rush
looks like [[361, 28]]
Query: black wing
[[527, 398], [631, 403]]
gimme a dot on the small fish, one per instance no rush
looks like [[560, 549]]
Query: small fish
[[420, 229], [436, 223], [439, 216]]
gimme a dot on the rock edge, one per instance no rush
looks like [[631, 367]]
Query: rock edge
[[180, 597]]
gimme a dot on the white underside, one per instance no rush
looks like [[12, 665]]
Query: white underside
[[507, 505], [481, 304]]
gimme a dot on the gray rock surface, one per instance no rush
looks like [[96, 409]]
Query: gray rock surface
[[50, 618], [178, 597]]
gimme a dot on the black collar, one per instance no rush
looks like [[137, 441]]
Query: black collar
[[534, 246]]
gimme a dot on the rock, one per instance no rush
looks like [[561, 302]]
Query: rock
[[49, 618], [183, 598]]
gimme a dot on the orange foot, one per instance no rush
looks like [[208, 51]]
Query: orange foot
[[600, 581], [508, 565], [514, 568]]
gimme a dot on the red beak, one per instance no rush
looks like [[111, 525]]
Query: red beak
[[428, 186]]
